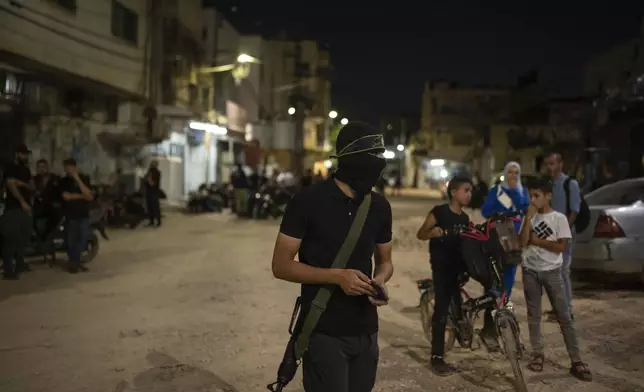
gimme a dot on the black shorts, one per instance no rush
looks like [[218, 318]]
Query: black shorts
[[341, 364]]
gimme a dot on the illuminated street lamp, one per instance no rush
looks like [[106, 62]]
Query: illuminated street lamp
[[344, 121], [400, 147], [333, 114], [243, 58], [291, 111]]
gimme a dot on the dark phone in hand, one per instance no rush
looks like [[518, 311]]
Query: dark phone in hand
[[381, 295]]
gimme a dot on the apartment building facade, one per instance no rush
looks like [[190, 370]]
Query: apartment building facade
[[67, 68], [455, 120]]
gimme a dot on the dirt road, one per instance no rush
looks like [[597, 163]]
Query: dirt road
[[194, 307]]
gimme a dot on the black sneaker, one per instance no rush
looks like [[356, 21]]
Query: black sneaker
[[440, 367]]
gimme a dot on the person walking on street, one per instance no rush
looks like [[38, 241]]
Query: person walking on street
[[342, 347], [153, 194], [569, 204], [16, 223], [76, 195]]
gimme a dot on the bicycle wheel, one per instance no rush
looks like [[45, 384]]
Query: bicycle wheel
[[426, 313], [509, 333]]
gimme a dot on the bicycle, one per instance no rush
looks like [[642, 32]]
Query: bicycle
[[462, 330]]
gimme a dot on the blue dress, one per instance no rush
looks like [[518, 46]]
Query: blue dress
[[492, 205]]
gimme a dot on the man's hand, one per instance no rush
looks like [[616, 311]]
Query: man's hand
[[532, 211], [25, 206], [377, 302], [354, 282]]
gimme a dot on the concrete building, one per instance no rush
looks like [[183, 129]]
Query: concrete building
[[275, 83], [614, 68], [455, 122], [67, 68], [616, 79]]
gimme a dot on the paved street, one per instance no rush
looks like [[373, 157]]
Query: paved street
[[193, 306]]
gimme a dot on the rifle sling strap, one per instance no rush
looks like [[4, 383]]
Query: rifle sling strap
[[318, 306]]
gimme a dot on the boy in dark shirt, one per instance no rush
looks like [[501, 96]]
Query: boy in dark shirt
[[76, 195], [447, 265]]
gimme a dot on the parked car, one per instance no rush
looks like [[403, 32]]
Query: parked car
[[613, 241]]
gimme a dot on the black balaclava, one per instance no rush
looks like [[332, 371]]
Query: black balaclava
[[359, 150]]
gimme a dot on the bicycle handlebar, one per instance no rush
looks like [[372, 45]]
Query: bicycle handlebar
[[497, 217]]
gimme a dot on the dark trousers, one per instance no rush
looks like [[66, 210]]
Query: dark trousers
[[340, 364], [241, 201], [77, 235], [16, 226], [154, 209], [446, 289]]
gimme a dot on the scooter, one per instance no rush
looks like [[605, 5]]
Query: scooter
[[55, 241], [271, 202]]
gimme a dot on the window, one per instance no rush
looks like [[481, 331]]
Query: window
[[69, 5], [205, 97], [632, 195], [125, 22], [618, 193], [462, 139]]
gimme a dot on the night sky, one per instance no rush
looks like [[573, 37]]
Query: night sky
[[384, 53]]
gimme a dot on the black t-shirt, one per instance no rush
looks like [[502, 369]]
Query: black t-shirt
[[47, 189], [321, 216], [153, 174], [77, 208], [446, 248], [22, 174]]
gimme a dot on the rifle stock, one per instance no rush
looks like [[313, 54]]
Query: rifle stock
[[288, 368]]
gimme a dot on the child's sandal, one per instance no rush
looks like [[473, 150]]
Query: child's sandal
[[536, 363], [580, 371]]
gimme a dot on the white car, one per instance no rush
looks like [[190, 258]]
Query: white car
[[613, 241]]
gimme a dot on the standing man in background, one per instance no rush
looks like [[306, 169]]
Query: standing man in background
[[569, 205], [153, 193], [16, 223], [76, 195], [240, 184]]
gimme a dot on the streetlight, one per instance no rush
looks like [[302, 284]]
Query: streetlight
[[400, 147], [344, 121], [333, 114], [244, 58], [291, 111]]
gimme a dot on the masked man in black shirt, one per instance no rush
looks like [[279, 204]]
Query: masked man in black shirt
[[16, 223], [76, 195], [342, 352]]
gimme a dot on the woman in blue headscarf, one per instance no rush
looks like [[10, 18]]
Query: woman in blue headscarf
[[509, 195]]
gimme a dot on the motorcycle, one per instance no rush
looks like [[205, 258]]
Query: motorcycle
[[55, 242], [270, 202], [58, 244]]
